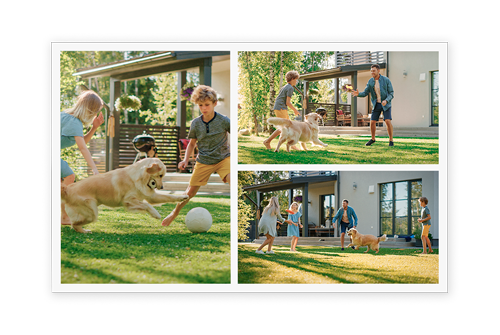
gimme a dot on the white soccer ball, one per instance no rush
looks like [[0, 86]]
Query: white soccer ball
[[198, 220]]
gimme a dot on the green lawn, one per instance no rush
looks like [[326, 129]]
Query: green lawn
[[135, 248], [342, 150], [327, 265]]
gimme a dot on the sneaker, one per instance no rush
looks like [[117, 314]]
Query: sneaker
[[341, 248], [391, 143], [370, 142], [259, 252], [353, 248], [270, 252]]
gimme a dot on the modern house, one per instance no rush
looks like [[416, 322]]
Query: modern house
[[415, 79], [385, 202]]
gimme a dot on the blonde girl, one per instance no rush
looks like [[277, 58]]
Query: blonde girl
[[267, 224], [83, 113], [294, 225]]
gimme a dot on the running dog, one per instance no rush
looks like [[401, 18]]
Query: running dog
[[360, 240], [293, 132], [133, 187]]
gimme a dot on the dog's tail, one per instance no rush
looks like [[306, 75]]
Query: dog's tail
[[382, 238], [280, 122]]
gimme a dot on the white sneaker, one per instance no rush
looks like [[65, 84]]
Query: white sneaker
[[259, 252], [270, 252]]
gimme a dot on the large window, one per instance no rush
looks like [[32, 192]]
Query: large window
[[435, 98], [399, 207]]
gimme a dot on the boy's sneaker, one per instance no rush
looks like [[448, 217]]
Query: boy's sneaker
[[270, 252], [259, 252], [391, 143], [370, 142]]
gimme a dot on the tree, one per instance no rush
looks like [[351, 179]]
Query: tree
[[255, 83]]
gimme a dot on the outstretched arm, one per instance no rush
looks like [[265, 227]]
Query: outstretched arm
[[82, 146], [189, 152], [289, 104]]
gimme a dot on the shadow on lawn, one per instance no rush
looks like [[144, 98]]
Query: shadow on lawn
[[131, 239], [252, 268], [342, 150]]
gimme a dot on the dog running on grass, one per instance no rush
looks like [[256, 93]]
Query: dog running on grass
[[293, 132], [133, 187], [360, 240]]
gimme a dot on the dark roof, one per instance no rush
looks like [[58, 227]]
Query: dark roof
[[152, 64], [297, 181]]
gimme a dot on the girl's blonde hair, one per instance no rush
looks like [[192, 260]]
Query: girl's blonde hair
[[273, 207], [88, 104], [294, 203], [202, 93]]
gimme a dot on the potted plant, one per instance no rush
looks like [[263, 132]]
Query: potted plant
[[186, 91], [127, 102]]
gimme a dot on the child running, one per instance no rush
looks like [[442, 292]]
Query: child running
[[294, 225], [210, 132], [267, 224], [283, 101]]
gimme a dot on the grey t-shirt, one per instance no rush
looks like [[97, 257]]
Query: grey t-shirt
[[286, 91], [212, 138], [423, 215]]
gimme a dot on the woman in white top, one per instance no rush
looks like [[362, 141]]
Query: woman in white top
[[267, 224]]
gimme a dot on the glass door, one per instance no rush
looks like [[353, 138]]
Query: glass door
[[327, 214]]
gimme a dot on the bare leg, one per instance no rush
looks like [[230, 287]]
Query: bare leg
[[270, 245], [266, 242], [191, 192], [373, 128], [388, 123], [267, 142], [424, 244]]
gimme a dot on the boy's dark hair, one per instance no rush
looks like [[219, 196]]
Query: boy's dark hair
[[424, 200], [376, 66], [345, 200]]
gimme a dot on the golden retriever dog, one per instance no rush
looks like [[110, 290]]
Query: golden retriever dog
[[133, 187], [360, 240], [293, 132]]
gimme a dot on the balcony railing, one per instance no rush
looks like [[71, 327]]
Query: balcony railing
[[344, 58], [302, 174]]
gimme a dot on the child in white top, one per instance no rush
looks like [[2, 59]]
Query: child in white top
[[267, 224]]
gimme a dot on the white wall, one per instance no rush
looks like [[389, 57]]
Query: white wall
[[221, 84], [411, 106], [366, 205], [315, 193]]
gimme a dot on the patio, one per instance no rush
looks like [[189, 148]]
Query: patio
[[117, 151]]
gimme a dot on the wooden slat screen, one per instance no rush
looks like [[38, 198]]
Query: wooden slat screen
[[166, 139]]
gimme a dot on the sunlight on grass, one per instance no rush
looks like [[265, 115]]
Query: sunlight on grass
[[135, 248], [342, 150], [327, 265]]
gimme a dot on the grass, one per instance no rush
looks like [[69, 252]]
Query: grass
[[342, 150], [135, 248], [327, 265]]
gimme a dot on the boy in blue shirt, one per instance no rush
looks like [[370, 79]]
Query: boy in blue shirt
[[381, 94]]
